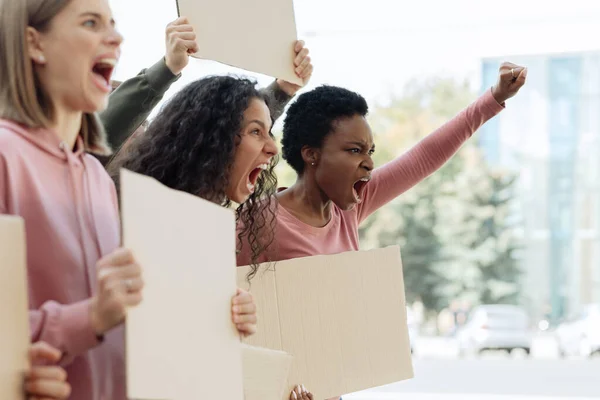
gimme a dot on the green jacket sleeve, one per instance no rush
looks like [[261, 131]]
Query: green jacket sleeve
[[132, 102], [277, 99]]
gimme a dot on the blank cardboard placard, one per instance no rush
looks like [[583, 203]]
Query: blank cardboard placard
[[256, 35], [181, 342], [342, 317], [14, 320], [265, 373]]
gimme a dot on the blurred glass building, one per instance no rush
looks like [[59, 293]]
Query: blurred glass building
[[551, 138]]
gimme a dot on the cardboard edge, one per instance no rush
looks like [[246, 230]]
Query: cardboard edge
[[18, 223], [296, 80]]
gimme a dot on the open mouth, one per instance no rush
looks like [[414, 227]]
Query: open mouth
[[254, 175], [103, 70], [358, 188]]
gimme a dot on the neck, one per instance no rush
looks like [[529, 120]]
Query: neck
[[67, 125], [309, 200]]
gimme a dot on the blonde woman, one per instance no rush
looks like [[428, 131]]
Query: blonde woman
[[56, 61]]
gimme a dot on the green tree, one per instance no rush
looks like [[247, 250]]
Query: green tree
[[479, 233], [456, 229], [493, 221], [413, 220]]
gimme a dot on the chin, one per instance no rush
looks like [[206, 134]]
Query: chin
[[101, 106], [90, 108], [98, 104], [91, 102]]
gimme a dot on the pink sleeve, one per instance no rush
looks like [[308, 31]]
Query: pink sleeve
[[401, 174], [66, 327]]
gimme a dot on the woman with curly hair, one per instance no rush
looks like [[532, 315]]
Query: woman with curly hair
[[213, 140]]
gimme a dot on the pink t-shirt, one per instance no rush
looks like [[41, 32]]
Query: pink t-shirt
[[295, 239], [69, 205]]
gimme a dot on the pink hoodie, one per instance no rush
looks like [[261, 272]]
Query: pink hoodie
[[69, 205]]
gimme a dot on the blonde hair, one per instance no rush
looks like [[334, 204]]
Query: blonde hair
[[22, 99]]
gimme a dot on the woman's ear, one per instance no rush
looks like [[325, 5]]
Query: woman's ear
[[310, 155], [34, 46]]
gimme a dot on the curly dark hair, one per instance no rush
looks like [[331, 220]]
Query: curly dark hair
[[190, 146], [313, 116]]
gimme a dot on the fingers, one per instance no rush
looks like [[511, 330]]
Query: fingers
[[47, 381], [186, 36], [120, 286], [508, 75], [521, 78], [181, 35], [296, 393], [172, 29], [118, 257], [300, 393], [305, 394], [508, 66], [244, 312], [244, 319], [181, 24], [47, 373], [246, 329], [42, 353], [127, 279], [133, 285], [179, 21], [123, 283], [242, 297], [192, 48], [510, 72], [511, 78], [129, 271], [133, 299], [302, 62], [178, 44], [305, 64], [307, 72], [245, 308], [47, 389], [301, 56]]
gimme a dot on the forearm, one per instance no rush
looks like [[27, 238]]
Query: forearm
[[133, 101]]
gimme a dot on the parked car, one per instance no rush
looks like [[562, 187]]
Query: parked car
[[579, 335], [495, 327]]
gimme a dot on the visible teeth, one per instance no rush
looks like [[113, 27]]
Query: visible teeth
[[108, 61], [264, 166], [366, 179], [250, 187]]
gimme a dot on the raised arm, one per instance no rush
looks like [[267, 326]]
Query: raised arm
[[427, 156], [133, 101], [280, 92]]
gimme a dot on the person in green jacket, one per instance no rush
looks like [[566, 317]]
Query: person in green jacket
[[132, 101]]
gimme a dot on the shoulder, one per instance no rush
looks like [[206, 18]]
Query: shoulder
[[95, 169], [11, 141], [8, 134]]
